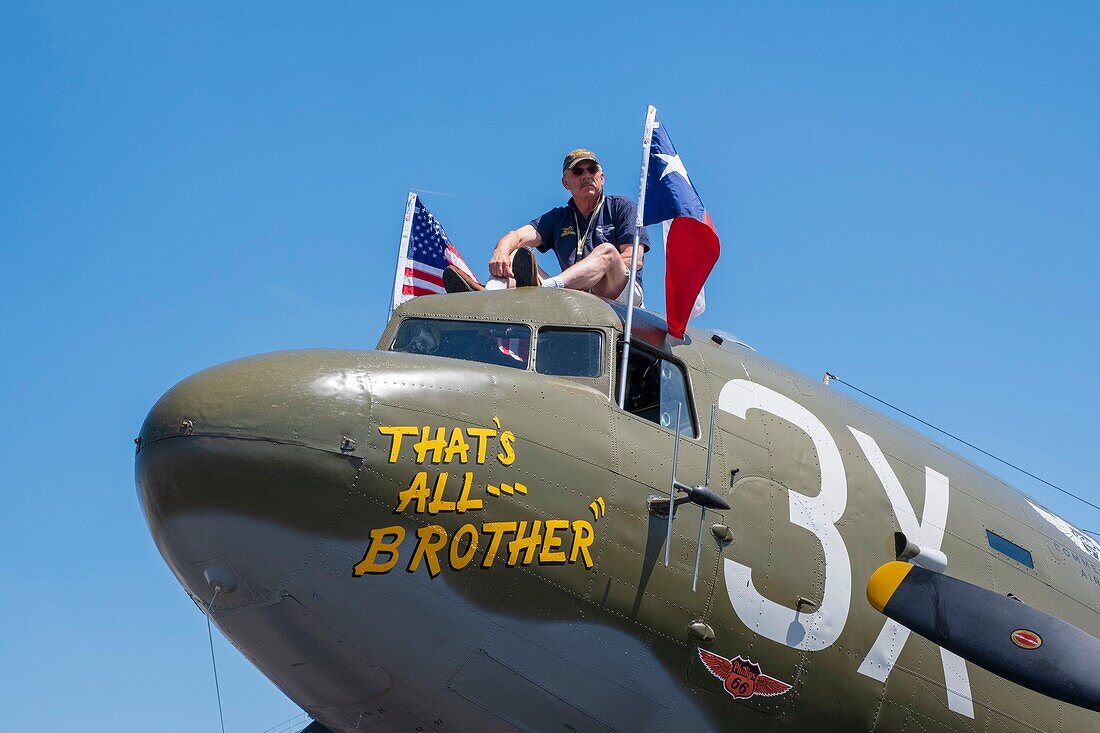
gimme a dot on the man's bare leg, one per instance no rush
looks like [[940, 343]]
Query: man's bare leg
[[602, 273]]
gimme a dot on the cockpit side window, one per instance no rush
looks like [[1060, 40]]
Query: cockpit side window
[[655, 388], [502, 344], [569, 352]]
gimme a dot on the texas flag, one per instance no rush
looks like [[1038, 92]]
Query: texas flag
[[691, 242]]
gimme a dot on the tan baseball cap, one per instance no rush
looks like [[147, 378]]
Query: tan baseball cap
[[576, 156]]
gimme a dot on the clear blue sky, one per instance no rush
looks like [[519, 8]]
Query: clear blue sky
[[907, 196]]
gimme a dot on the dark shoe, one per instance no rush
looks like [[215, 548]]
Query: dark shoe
[[524, 268], [457, 281]]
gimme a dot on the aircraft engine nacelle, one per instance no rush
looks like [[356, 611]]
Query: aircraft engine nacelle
[[1000, 634]]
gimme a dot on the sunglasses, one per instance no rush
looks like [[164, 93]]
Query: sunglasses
[[579, 170]]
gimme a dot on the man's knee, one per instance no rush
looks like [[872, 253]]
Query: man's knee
[[607, 252]]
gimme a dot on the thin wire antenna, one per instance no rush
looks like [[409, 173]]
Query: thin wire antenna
[[449, 195], [710, 443], [703, 510], [672, 485], [214, 664], [832, 377]]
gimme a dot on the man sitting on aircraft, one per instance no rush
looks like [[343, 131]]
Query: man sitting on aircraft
[[592, 235]]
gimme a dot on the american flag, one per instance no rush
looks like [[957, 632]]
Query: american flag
[[425, 251]]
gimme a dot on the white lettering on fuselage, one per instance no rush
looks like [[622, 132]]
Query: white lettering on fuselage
[[929, 535], [819, 515], [1086, 544]]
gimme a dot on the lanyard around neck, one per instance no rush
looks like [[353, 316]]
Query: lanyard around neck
[[591, 221]]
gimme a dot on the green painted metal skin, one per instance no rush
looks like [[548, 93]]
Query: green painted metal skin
[[281, 473]]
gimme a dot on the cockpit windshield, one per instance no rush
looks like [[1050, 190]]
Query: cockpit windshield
[[569, 352], [502, 344]]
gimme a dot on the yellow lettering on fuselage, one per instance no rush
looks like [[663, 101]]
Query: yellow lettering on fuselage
[[435, 445], [550, 554], [457, 445], [525, 543], [482, 435], [438, 504], [417, 491], [583, 536], [396, 433], [532, 542], [429, 541], [465, 503], [497, 530], [379, 544]]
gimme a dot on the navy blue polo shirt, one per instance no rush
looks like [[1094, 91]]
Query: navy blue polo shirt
[[614, 223]]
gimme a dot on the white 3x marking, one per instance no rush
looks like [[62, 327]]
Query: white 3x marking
[[818, 515], [929, 535]]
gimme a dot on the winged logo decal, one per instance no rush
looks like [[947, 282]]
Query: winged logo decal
[[742, 677]]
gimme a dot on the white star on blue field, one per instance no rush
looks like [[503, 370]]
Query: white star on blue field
[[673, 164]]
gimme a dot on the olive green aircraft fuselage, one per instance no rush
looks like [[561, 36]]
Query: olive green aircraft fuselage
[[456, 532]]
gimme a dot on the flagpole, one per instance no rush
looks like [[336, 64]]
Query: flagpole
[[402, 252], [647, 139]]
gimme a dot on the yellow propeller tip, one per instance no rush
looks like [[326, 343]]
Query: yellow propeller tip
[[884, 582]]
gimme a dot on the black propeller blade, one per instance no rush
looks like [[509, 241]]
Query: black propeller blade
[[995, 632]]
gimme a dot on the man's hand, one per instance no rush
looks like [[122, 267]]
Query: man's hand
[[500, 265], [625, 251]]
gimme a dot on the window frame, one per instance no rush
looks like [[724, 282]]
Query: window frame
[[527, 367], [997, 541], [689, 388], [601, 369]]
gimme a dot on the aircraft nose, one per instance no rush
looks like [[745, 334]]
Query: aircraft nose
[[243, 468]]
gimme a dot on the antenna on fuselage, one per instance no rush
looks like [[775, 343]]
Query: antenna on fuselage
[[672, 485], [701, 495], [703, 512]]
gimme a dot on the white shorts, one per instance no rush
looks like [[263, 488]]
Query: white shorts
[[639, 299]]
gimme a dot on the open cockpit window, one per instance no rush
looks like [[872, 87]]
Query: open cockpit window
[[567, 352], [655, 388], [502, 344]]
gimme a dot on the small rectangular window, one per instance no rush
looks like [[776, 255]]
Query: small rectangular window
[[569, 352], [1009, 548]]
